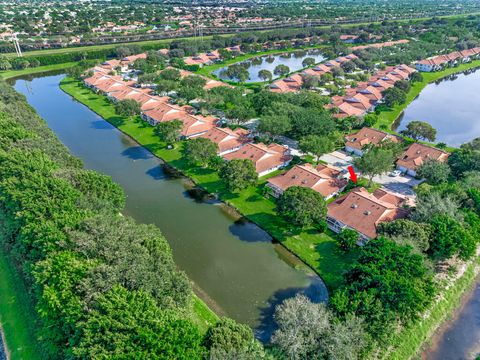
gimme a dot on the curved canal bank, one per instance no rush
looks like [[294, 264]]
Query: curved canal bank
[[458, 338], [232, 262], [407, 344]]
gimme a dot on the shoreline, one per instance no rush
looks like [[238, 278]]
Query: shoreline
[[170, 157], [450, 320], [304, 266], [388, 118]]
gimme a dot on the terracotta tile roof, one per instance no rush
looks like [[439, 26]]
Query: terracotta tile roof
[[363, 211], [360, 101], [381, 84], [132, 58], [202, 58], [264, 157], [349, 110], [366, 136], [323, 179], [150, 102], [416, 154], [372, 93], [226, 138]]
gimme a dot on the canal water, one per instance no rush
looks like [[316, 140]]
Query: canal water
[[459, 339], [233, 263], [451, 105], [3, 350], [293, 60]]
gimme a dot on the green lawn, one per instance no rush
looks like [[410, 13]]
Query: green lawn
[[14, 73], [387, 117], [17, 314], [202, 315], [318, 250]]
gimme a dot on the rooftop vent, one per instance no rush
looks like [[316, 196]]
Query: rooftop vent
[[354, 206], [367, 212]]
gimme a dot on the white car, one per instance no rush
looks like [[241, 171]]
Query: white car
[[395, 173]]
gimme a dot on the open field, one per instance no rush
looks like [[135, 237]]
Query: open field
[[318, 250]]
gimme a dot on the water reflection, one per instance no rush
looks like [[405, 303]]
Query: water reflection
[[451, 106], [233, 264], [269, 62]]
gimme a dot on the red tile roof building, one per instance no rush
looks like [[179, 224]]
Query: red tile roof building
[[323, 179], [265, 158], [361, 211], [416, 154], [367, 136], [439, 62], [226, 139]]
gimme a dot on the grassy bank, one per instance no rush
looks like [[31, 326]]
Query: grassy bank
[[17, 314], [388, 117], [410, 341], [202, 315], [5, 75], [318, 250]]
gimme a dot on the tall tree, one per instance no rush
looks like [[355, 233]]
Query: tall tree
[[387, 283], [238, 174], [274, 125], [265, 75], [200, 151], [169, 131], [281, 70], [420, 130], [375, 161], [434, 172], [302, 206], [128, 107], [317, 145]]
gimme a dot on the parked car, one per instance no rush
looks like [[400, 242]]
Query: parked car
[[395, 173]]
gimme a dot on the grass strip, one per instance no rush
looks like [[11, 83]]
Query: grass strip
[[5, 75], [17, 314]]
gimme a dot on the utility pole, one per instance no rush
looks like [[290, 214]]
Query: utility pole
[[18, 50]]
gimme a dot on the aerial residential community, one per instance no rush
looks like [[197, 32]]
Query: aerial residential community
[[239, 180]]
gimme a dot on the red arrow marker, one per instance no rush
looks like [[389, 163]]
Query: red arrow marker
[[353, 176]]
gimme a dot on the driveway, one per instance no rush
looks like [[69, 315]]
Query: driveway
[[402, 184], [337, 158]]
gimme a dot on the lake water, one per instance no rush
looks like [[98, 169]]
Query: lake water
[[452, 106], [294, 63], [233, 263]]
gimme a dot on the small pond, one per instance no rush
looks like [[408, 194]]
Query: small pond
[[269, 62], [451, 105]]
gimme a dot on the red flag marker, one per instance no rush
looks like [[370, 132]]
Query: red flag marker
[[353, 176]]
